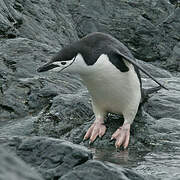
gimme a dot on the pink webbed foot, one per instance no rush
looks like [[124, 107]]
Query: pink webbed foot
[[122, 136], [96, 129]]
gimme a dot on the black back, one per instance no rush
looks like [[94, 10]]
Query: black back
[[91, 47], [94, 45]]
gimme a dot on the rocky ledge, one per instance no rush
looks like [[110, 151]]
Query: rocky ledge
[[54, 159]]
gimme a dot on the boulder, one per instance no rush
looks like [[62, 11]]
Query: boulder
[[58, 159], [98, 171], [11, 167]]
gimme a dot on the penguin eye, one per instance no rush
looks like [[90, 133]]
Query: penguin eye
[[63, 63]]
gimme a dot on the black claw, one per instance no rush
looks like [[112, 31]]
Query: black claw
[[111, 140]]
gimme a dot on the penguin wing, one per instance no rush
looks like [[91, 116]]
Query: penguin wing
[[133, 61]]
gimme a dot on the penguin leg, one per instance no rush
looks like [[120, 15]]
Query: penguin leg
[[97, 128], [122, 136]]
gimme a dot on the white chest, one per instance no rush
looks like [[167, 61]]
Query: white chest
[[112, 90]]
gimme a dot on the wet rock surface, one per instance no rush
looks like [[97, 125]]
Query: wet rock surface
[[59, 106]]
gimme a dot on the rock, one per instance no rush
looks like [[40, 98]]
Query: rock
[[57, 159], [7, 21], [66, 112], [17, 127], [51, 157], [16, 93], [154, 70], [47, 22], [11, 167], [139, 25], [167, 27], [97, 170], [23, 90], [166, 100], [175, 2], [26, 18], [41, 30], [173, 63]]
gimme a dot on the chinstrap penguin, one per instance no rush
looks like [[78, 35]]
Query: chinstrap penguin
[[111, 75]]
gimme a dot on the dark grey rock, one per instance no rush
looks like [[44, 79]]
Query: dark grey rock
[[154, 70], [175, 2], [173, 63], [18, 127], [66, 112], [7, 21], [37, 20], [167, 27], [139, 24], [51, 157], [16, 66], [11, 167], [165, 103], [47, 21], [57, 159], [99, 171], [23, 90]]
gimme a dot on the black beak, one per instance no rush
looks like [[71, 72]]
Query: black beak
[[46, 67]]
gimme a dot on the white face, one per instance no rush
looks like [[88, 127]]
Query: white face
[[76, 65], [62, 65]]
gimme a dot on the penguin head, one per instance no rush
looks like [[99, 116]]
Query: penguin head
[[67, 59]]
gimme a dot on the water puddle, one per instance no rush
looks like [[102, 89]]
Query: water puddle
[[161, 165]]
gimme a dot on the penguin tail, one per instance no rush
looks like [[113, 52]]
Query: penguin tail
[[149, 91]]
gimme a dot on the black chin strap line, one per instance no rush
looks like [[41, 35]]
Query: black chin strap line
[[69, 64]]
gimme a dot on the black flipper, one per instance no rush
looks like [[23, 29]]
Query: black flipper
[[134, 62], [118, 62]]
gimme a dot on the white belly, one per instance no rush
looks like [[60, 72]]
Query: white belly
[[112, 90]]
